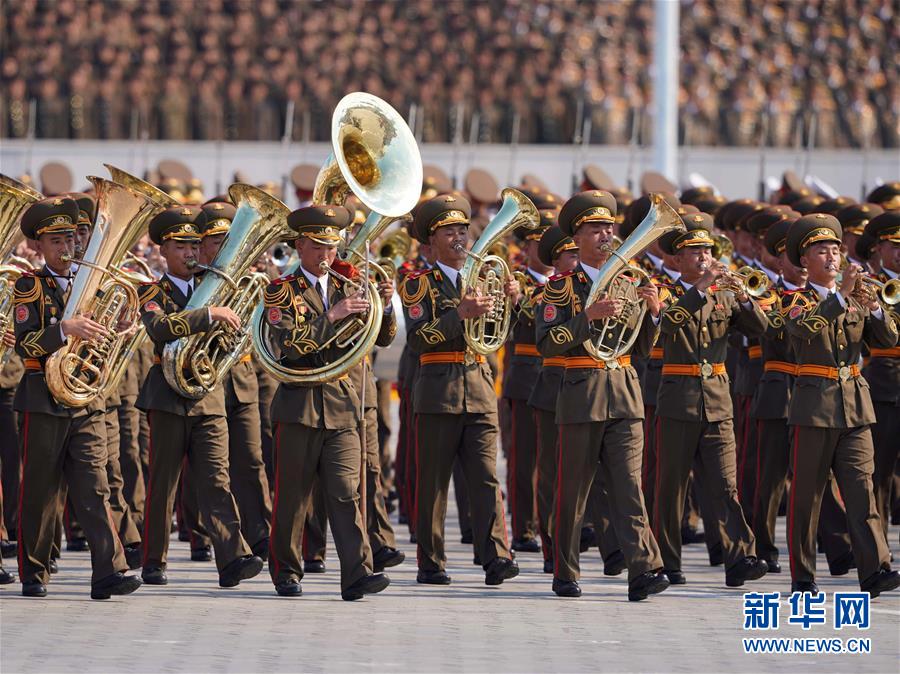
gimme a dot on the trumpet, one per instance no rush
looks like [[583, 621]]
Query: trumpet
[[869, 288], [747, 280]]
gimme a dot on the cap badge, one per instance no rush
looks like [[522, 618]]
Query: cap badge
[[185, 211], [449, 200], [328, 230], [218, 207], [820, 216], [57, 202], [189, 228]]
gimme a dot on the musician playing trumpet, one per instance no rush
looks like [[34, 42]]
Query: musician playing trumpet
[[599, 409], [316, 431]]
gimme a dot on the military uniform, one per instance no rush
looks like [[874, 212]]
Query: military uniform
[[10, 375], [696, 417], [316, 425], [832, 411], [456, 412], [599, 412], [883, 375], [57, 443], [182, 427]]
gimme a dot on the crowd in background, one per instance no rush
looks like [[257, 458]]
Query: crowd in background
[[472, 69]]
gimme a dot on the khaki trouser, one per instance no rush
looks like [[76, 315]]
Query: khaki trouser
[[303, 453], [849, 454], [548, 446], [712, 443], [617, 446], [130, 459], [204, 441], [57, 449], [472, 440]]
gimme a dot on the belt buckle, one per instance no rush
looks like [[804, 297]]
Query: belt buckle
[[844, 372], [468, 357], [706, 370], [612, 364]]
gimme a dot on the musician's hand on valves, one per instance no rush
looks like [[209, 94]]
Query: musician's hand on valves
[[474, 304], [386, 290], [225, 315], [513, 290], [9, 339], [849, 279], [83, 327], [715, 271], [604, 308], [650, 294], [125, 328], [346, 307]]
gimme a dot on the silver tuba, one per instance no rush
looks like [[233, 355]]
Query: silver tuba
[[617, 276]]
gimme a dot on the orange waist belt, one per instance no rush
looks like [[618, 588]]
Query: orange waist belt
[[448, 357], [885, 353], [705, 370], [754, 352], [526, 350], [575, 362], [33, 364], [842, 373], [554, 361], [656, 353], [781, 366]]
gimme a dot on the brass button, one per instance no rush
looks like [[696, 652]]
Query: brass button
[[705, 361], [840, 332], [842, 363], [705, 345]]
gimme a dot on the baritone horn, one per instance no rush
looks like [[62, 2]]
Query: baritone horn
[[374, 157], [617, 279], [487, 273]]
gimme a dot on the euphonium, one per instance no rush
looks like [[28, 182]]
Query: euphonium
[[374, 156], [160, 200], [195, 364], [79, 371], [15, 197], [487, 273], [614, 337], [393, 251]]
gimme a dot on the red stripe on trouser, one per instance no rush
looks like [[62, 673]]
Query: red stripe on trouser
[[512, 470], [148, 502], [794, 479], [273, 554], [556, 537], [655, 524], [416, 500], [21, 545]]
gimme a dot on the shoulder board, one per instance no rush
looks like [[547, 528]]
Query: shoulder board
[[416, 273], [557, 277], [284, 279]]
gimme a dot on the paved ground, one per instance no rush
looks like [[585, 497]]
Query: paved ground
[[193, 626]]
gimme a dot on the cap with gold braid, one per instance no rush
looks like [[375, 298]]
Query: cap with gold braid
[[855, 217], [218, 218], [884, 227], [592, 206], [809, 230], [440, 211], [698, 234], [322, 224], [554, 242], [887, 196], [86, 207], [775, 238], [179, 223], [57, 215]]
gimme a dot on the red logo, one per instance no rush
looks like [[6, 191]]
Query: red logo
[[416, 311], [21, 313], [796, 311], [151, 306], [549, 313], [274, 315]]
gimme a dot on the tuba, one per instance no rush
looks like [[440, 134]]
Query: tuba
[[80, 371], [194, 365], [488, 273], [613, 336], [375, 157], [161, 200], [15, 197]]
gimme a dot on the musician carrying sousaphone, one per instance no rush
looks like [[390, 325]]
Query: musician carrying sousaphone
[[316, 420], [599, 408]]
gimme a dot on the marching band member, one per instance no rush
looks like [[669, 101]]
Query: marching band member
[[694, 403], [599, 409], [59, 443], [180, 426], [316, 434], [831, 407], [454, 400]]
